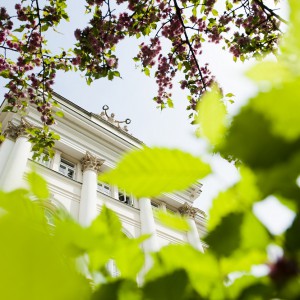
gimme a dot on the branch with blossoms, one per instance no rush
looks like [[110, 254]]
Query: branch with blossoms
[[174, 32]]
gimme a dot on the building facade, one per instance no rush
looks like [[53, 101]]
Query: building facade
[[90, 144]]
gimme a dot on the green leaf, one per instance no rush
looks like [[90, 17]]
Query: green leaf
[[20, 29], [38, 186], [225, 244], [251, 140], [147, 71], [60, 114], [110, 75], [121, 289], [170, 103], [172, 220], [130, 264], [215, 12], [107, 221], [212, 116], [242, 260], [229, 95], [29, 247], [271, 72], [236, 199], [247, 287], [149, 172], [196, 264], [284, 118], [292, 243], [254, 234], [170, 286]]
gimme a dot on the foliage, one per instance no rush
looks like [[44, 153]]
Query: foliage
[[261, 139], [173, 34], [148, 172]]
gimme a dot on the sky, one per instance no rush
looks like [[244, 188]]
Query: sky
[[131, 97]]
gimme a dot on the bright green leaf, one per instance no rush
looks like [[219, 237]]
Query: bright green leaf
[[170, 103], [212, 116], [215, 12], [254, 234], [269, 72], [229, 95], [149, 172], [38, 185], [147, 72], [60, 114], [284, 117], [130, 264], [172, 220], [238, 198]]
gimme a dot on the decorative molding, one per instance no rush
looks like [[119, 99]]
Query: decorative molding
[[111, 119], [14, 131], [91, 162], [190, 211]]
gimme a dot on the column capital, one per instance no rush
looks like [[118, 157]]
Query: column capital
[[190, 211], [91, 162], [14, 131]]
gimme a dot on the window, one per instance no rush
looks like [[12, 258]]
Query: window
[[154, 204], [104, 188], [66, 168], [125, 198], [43, 159]]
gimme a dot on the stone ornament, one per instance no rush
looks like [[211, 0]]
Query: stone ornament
[[91, 162], [190, 211], [111, 119], [14, 131]]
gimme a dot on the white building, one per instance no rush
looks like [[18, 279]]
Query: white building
[[90, 144]]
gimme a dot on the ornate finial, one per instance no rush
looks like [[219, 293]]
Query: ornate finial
[[14, 131], [111, 118], [190, 211], [91, 162]]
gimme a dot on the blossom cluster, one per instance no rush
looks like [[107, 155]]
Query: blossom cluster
[[174, 33]]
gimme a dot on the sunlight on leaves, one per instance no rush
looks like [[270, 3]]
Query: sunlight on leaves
[[212, 116], [281, 106], [271, 72], [38, 185], [172, 220], [151, 171], [238, 198]]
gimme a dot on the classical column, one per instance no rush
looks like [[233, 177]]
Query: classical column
[[7, 145], [88, 200], [193, 234], [147, 227], [14, 169]]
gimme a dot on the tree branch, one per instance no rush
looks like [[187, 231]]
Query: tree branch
[[178, 13], [263, 6]]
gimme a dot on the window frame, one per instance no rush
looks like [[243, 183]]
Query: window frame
[[102, 188], [130, 201], [69, 166]]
